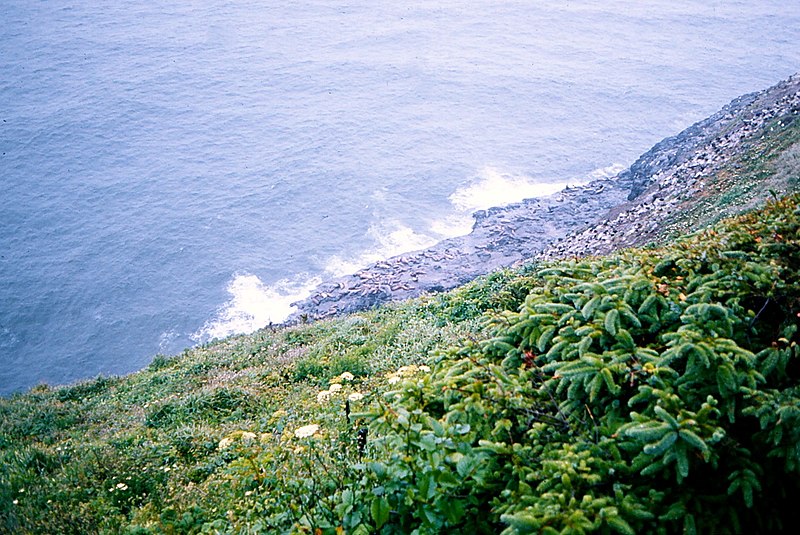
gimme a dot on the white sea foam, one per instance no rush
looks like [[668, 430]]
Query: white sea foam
[[453, 225], [166, 339], [493, 187], [391, 237], [607, 172], [254, 305]]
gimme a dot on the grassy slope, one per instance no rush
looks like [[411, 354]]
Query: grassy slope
[[205, 441], [63, 451]]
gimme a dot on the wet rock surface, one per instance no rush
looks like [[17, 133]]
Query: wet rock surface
[[601, 216]]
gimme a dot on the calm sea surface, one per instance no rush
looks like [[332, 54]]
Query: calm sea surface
[[177, 171]]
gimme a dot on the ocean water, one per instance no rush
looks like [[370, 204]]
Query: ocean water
[[175, 171]]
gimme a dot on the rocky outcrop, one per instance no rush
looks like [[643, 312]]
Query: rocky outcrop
[[595, 218], [500, 237], [697, 157]]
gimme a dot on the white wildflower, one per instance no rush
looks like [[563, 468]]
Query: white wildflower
[[355, 396], [394, 379], [224, 443], [323, 396], [335, 387], [425, 369], [347, 376], [122, 486], [306, 431]]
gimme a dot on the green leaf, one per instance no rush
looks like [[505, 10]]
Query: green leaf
[[611, 321], [689, 525], [378, 468], [667, 417], [465, 465], [594, 387], [588, 309], [576, 368], [648, 431], [648, 307], [436, 426], [632, 319], [693, 440], [453, 510], [584, 345], [427, 486], [683, 463], [556, 350], [379, 509], [747, 493], [625, 339], [545, 338], [652, 468], [553, 308], [620, 525], [657, 448], [522, 522], [609, 379]]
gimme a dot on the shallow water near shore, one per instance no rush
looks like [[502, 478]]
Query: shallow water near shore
[[173, 173]]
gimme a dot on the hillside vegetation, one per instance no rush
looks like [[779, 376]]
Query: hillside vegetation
[[652, 390]]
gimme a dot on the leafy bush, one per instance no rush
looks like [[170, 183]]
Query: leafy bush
[[651, 391]]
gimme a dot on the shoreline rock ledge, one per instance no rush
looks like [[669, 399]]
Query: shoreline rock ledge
[[577, 220]]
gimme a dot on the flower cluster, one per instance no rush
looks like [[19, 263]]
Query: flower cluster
[[335, 387], [306, 431], [407, 371], [118, 487], [346, 376], [244, 436]]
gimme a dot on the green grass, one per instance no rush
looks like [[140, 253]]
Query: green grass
[[64, 451]]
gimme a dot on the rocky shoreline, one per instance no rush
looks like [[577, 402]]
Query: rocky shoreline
[[663, 191], [625, 210]]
